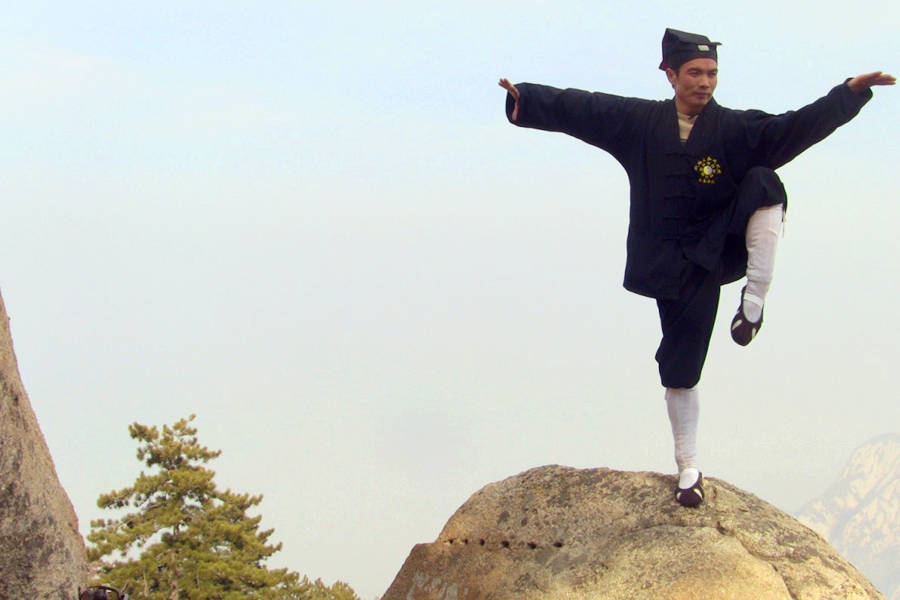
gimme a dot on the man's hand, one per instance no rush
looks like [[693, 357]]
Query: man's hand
[[861, 83], [506, 85]]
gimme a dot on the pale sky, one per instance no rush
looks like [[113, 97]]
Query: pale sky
[[310, 224]]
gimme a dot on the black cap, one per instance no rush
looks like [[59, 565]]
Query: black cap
[[678, 47]]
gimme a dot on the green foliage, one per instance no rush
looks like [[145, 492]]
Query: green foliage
[[184, 539]]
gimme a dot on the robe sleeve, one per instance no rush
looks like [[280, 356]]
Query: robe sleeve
[[778, 139], [603, 120]]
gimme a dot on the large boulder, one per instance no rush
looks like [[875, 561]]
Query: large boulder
[[42, 555], [561, 533]]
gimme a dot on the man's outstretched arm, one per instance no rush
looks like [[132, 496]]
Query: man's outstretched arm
[[602, 120], [778, 139], [861, 83]]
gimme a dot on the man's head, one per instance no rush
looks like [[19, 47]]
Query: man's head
[[690, 61], [694, 83]]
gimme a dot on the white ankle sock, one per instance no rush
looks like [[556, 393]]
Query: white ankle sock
[[684, 412], [688, 477], [763, 231]]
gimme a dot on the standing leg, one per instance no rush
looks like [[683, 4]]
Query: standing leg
[[683, 405], [684, 413], [687, 325]]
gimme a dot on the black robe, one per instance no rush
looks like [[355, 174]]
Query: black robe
[[682, 195]]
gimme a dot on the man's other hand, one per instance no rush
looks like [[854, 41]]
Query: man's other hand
[[861, 83], [506, 85]]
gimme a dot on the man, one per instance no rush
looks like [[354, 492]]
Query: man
[[706, 205]]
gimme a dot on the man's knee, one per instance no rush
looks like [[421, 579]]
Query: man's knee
[[764, 186]]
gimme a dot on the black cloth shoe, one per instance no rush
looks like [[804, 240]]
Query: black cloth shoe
[[743, 330], [691, 496]]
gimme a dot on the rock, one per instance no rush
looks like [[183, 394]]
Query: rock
[[559, 533], [42, 555]]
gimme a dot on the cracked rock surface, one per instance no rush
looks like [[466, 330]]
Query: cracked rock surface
[[556, 532], [42, 555]]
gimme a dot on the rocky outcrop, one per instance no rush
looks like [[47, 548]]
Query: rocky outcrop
[[560, 533], [42, 555], [860, 514]]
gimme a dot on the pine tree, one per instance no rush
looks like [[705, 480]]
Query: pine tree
[[185, 539]]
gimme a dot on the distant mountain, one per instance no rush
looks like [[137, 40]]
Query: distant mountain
[[860, 514]]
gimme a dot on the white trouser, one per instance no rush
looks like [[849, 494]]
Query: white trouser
[[763, 232], [684, 413]]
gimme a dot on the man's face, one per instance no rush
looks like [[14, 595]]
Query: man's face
[[694, 84]]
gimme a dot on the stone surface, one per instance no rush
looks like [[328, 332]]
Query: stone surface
[[560, 533], [42, 555]]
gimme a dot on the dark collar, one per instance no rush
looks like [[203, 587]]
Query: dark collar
[[699, 138]]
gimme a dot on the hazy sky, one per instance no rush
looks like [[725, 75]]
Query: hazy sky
[[310, 224]]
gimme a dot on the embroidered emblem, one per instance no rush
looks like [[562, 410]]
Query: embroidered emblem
[[707, 168]]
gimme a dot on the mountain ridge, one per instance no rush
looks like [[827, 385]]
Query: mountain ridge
[[859, 514]]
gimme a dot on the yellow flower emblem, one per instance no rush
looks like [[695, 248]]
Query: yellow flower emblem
[[708, 168]]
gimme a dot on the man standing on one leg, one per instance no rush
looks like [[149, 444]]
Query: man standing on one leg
[[706, 203]]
